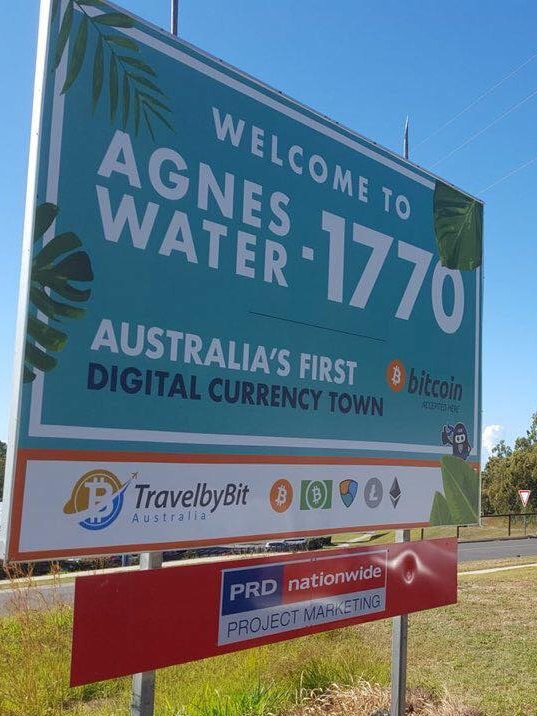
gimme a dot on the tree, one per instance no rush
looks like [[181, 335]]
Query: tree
[[509, 470], [531, 436], [502, 449]]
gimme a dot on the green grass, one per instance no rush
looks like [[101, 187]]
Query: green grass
[[490, 528], [482, 650], [497, 563], [34, 666]]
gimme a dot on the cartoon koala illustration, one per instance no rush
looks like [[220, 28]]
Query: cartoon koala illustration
[[457, 436]]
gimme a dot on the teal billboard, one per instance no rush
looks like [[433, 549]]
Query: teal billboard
[[238, 319]]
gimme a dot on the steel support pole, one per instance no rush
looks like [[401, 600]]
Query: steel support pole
[[400, 624], [143, 684], [399, 651], [175, 17]]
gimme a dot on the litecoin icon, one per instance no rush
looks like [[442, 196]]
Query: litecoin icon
[[373, 492]]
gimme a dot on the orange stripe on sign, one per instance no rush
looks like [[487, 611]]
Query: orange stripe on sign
[[224, 459], [161, 546]]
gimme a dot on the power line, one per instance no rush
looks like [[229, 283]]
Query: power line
[[477, 100], [487, 127], [509, 174]]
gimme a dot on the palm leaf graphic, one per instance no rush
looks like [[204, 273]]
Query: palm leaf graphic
[[116, 64], [52, 294]]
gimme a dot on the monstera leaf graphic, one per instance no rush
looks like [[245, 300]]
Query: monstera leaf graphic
[[460, 503], [116, 61], [458, 227], [58, 263]]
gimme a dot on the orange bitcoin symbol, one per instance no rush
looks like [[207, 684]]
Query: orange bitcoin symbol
[[396, 375], [281, 495]]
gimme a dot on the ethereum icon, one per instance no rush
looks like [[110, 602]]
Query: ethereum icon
[[395, 493]]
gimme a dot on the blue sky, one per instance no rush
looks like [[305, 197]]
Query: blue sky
[[366, 65]]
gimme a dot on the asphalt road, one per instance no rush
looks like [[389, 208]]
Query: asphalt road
[[37, 597], [46, 596], [498, 549]]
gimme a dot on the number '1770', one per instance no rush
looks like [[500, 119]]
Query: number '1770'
[[380, 245]]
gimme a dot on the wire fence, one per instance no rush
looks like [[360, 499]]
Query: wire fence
[[513, 524]]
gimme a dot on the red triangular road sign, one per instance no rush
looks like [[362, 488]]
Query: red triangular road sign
[[524, 496]]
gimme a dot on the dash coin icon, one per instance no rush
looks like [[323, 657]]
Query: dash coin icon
[[347, 491], [281, 495], [396, 376]]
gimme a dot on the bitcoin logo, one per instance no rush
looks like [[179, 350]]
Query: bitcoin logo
[[97, 498], [316, 495], [396, 376], [100, 490], [281, 495]]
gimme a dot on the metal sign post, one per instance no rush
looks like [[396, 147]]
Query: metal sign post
[[400, 624], [399, 651], [175, 17], [143, 684]]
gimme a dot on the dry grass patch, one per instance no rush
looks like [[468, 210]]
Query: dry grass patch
[[364, 699]]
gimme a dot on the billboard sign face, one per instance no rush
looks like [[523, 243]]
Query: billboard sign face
[[238, 319], [202, 610]]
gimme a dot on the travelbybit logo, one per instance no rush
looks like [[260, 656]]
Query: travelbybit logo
[[422, 382], [97, 499], [189, 504], [200, 495]]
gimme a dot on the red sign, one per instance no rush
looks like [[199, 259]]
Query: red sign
[[524, 496], [129, 622]]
